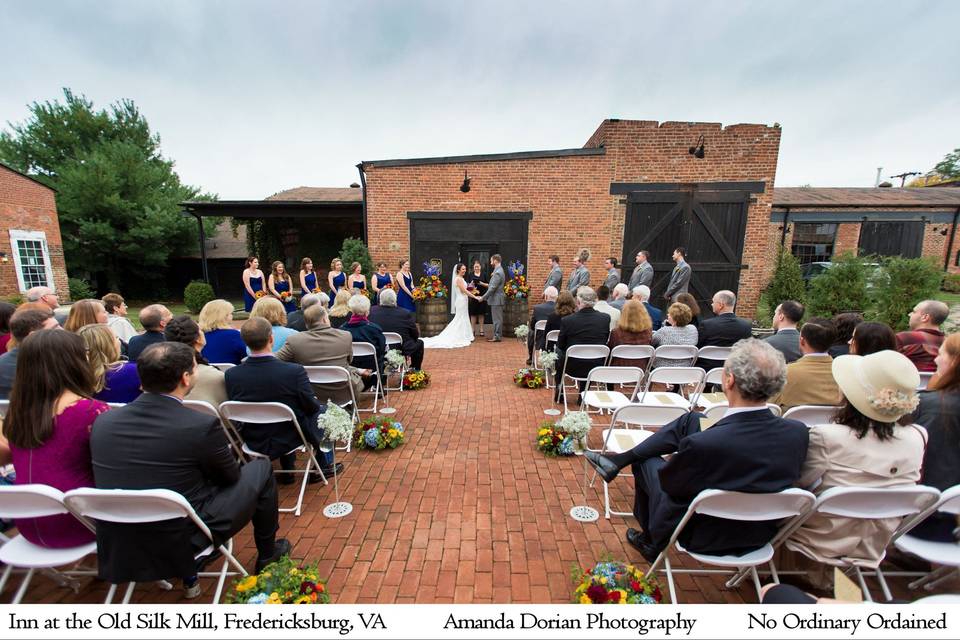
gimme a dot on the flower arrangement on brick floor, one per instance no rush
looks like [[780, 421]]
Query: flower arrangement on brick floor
[[530, 378], [516, 286], [554, 441], [612, 582], [379, 432], [416, 380], [281, 582], [431, 286]]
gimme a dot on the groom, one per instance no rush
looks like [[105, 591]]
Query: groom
[[494, 297]]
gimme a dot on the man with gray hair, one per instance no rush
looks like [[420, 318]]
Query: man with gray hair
[[541, 311], [749, 450], [47, 296], [619, 296], [724, 329], [642, 293], [295, 318], [586, 326], [394, 319], [362, 330], [922, 342]]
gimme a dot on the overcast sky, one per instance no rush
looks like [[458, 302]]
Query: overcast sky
[[251, 98]]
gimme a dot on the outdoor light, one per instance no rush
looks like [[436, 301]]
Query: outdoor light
[[697, 150], [3, 258], [465, 187]]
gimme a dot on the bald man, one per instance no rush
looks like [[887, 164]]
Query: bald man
[[154, 319]]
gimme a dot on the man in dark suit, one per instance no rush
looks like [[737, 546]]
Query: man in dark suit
[[295, 319], [541, 311], [393, 319], [154, 318], [264, 378], [586, 326], [156, 443], [724, 329], [749, 450], [23, 322]]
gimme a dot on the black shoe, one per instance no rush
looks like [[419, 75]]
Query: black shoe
[[327, 471], [203, 561], [604, 466], [493, 339], [642, 544], [529, 362], [281, 547]]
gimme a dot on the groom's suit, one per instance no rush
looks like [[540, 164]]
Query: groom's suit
[[494, 297]]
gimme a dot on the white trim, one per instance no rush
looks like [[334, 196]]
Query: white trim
[[20, 234]]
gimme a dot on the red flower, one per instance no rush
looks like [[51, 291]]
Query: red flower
[[613, 597], [598, 594], [635, 585], [307, 587]]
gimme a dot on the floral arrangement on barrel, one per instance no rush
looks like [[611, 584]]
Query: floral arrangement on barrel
[[431, 286], [379, 432], [516, 287], [281, 582], [565, 436], [416, 380], [530, 378], [612, 582]]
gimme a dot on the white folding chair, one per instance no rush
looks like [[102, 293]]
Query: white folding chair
[[946, 554], [868, 503], [640, 421], [714, 353], [925, 377], [540, 325], [149, 505], [236, 442], [810, 414], [35, 501], [365, 349], [335, 375], [737, 506], [685, 352], [637, 352], [116, 405], [222, 366], [4, 407], [551, 337], [271, 413], [394, 341], [597, 352], [690, 378], [595, 394], [716, 411]]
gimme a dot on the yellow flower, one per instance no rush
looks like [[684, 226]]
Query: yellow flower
[[603, 580], [543, 432], [623, 596], [392, 433], [294, 571], [303, 600], [274, 598], [585, 599], [247, 583]]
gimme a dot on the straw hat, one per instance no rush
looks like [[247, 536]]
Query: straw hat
[[881, 386]]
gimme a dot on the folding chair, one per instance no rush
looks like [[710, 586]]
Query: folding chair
[[4, 407], [222, 366], [676, 352], [365, 349], [714, 353], [946, 554], [149, 505], [394, 341], [619, 440], [580, 352], [715, 411], [336, 375], [541, 325], [708, 400], [925, 377], [868, 504], [35, 501], [603, 400], [680, 376], [810, 414], [236, 442], [552, 336], [636, 352], [271, 413], [737, 506]]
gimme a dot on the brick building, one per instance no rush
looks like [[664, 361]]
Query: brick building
[[31, 251]]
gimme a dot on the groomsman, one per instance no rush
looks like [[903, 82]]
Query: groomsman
[[643, 273], [580, 277], [680, 278], [613, 274], [555, 277]]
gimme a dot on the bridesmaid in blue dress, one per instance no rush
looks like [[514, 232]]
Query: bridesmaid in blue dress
[[381, 280], [357, 281], [405, 294], [252, 282], [308, 277], [336, 279], [281, 286]]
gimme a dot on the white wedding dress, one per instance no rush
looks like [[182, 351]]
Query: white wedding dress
[[458, 333]]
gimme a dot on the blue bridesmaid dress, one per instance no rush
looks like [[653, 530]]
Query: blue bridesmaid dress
[[383, 281], [403, 298], [311, 279], [257, 285], [284, 285], [338, 282]]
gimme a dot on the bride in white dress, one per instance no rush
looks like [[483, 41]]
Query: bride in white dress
[[458, 333]]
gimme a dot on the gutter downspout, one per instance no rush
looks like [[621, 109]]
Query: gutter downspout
[[363, 188], [783, 232], [953, 234]]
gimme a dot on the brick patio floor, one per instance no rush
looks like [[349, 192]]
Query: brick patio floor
[[466, 511]]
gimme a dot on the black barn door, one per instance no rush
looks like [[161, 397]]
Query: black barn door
[[903, 239]]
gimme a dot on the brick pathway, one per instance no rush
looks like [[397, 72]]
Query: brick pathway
[[466, 511]]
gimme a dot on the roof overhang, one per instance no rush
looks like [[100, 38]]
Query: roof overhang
[[267, 209]]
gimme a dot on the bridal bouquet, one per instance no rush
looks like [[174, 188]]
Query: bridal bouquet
[[529, 378], [379, 432], [516, 286], [431, 286], [394, 361], [613, 582], [280, 582]]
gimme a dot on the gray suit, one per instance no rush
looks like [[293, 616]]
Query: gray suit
[[579, 278], [787, 342], [494, 297], [613, 278], [643, 274], [679, 281], [554, 279], [324, 346]]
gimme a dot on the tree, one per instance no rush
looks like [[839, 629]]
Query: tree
[[353, 250], [842, 287], [906, 281], [787, 282], [117, 196], [949, 167]]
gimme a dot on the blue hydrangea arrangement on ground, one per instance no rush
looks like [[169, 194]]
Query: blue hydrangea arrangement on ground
[[379, 432]]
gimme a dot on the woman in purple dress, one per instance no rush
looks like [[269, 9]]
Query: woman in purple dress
[[114, 380], [48, 426]]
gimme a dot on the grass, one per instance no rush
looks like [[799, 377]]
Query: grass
[[952, 299], [177, 308]]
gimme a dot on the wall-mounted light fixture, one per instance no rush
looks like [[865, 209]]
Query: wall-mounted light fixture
[[465, 187], [3, 257], [697, 149]]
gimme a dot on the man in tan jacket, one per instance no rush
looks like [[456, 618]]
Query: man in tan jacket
[[810, 379]]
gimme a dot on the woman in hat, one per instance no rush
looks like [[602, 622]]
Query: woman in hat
[[865, 446]]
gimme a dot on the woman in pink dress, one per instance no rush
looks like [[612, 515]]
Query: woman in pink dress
[[48, 427]]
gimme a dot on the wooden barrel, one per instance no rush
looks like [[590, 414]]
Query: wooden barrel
[[433, 314], [515, 313]]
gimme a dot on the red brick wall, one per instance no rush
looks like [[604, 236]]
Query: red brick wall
[[569, 196]]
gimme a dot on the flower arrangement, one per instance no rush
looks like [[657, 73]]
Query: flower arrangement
[[336, 422], [379, 432], [280, 582], [613, 582], [522, 331], [548, 360], [516, 286], [394, 361], [431, 286], [316, 290], [530, 378], [260, 294], [285, 296], [893, 403], [554, 441], [416, 380], [575, 423]]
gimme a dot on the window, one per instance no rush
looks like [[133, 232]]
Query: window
[[813, 242], [31, 258]]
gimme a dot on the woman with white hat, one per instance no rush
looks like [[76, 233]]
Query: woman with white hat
[[865, 446]]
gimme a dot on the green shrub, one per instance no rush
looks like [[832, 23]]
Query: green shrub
[[787, 282], [906, 281], [951, 283], [353, 250], [842, 287], [16, 299], [197, 294], [79, 289]]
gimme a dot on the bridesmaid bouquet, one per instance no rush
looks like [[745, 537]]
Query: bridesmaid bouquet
[[285, 296], [260, 294]]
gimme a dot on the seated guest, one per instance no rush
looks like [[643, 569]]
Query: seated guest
[[634, 327], [117, 317], [810, 379], [724, 329], [619, 296], [48, 428], [871, 337], [273, 311], [564, 306], [845, 323], [224, 343], [541, 311], [295, 319], [363, 330], [264, 378], [586, 326], [923, 340], [208, 383], [642, 293], [749, 450], [340, 311], [786, 340], [47, 297], [322, 345], [394, 319], [6, 312], [114, 379], [156, 443], [22, 323], [676, 330], [153, 318], [690, 301], [863, 447], [604, 307], [939, 413], [84, 312]]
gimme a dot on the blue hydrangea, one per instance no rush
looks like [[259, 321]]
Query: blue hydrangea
[[565, 447], [607, 570], [398, 427], [371, 437], [645, 599], [260, 598]]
